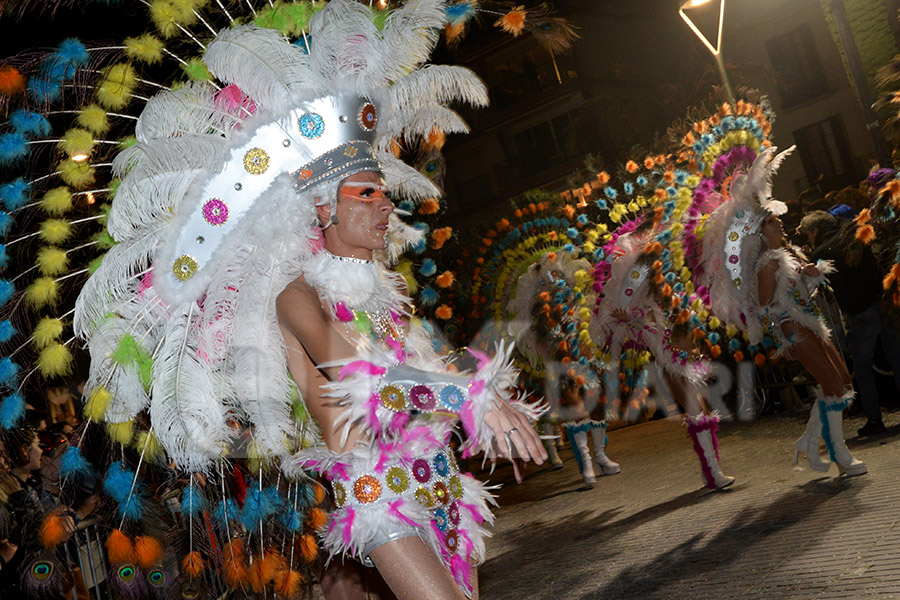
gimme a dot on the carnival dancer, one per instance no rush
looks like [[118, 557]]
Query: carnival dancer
[[578, 421], [223, 288], [758, 280], [631, 318]]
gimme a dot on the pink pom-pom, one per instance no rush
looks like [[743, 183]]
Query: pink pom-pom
[[317, 240], [342, 313], [232, 98]]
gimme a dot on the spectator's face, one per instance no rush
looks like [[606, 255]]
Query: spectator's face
[[32, 455]]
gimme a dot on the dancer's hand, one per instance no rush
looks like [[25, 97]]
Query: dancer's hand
[[811, 270], [516, 438]]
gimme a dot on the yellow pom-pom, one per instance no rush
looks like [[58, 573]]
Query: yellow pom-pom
[[715, 323], [97, 404], [52, 261], [77, 142], [93, 118], [167, 15], [121, 433], [47, 331], [145, 48], [55, 231], [78, 174], [44, 291], [731, 330], [55, 360], [57, 201], [115, 91], [145, 442]]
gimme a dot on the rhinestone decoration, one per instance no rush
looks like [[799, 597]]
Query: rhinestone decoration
[[350, 151], [311, 125], [441, 466], [637, 313], [452, 541], [184, 267], [367, 489], [453, 514], [215, 212], [393, 398], [286, 143], [733, 236], [441, 492], [733, 259], [452, 397], [424, 497], [340, 494], [367, 118], [256, 161], [200, 239], [456, 488], [440, 519], [422, 397], [629, 292], [397, 480], [328, 162], [238, 187], [421, 471], [343, 118], [306, 174], [737, 281], [635, 274], [739, 214]]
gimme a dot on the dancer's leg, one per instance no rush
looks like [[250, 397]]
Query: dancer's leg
[[606, 466], [414, 572], [702, 429]]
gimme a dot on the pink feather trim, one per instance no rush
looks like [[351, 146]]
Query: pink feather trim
[[342, 312], [340, 470], [372, 418], [476, 515], [468, 419], [480, 356], [360, 366], [347, 524], [394, 510], [399, 422]]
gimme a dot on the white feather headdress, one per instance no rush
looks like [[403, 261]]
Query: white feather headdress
[[218, 356]]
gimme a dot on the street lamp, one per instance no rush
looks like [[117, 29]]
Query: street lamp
[[715, 50]]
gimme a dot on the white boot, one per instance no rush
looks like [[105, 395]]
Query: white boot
[[606, 466], [584, 453], [831, 413], [702, 430], [549, 429], [808, 444]]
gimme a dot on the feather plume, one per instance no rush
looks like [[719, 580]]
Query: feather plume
[[260, 63]]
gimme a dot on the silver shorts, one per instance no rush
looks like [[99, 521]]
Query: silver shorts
[[400, 532]]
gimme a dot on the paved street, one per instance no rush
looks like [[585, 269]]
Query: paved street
[[653, 531]]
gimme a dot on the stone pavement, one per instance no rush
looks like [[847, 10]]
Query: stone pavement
[[653, 531]]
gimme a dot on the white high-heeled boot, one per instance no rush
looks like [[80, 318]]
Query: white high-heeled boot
[[831, 413], [808, 444], [702, 430], [606, 466], [549, 429], [578, 437]]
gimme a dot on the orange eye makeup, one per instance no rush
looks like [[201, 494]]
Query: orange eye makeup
[[365, 192]]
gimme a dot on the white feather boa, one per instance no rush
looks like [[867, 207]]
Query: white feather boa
[[792, 287]]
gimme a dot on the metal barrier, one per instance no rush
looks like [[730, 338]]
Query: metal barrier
[[87, 550]]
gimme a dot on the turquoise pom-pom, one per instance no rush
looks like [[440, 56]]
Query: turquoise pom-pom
[[29, 123], [14, 194], [6, 331], [73, 464], [192, 502], [7, 289], [13, 147], [8, 371], [12, 410], [428, 268]]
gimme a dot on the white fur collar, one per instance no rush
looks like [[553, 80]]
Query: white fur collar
[[358, 284]]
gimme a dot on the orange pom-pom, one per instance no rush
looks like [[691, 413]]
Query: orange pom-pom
[[759, 359], [316, 518], [320, 493], [667, 290], [265, 568], [120, 548], [544, 296], [631, 166], [436, 139], [193, 564], [429, 206], [603, 177], [579, 380], [236, 573], [309, 548], [445, 279], [11, 81], [865, 234], [443, 312], [715, 351], [892, 276], [55, 530], [738, 356], [287, 584], [148, 551], [513, 22], [552, 235]]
